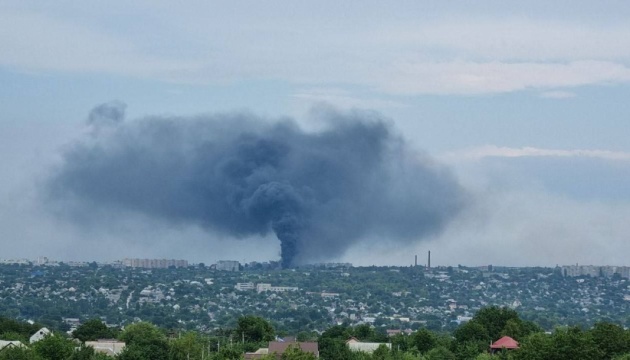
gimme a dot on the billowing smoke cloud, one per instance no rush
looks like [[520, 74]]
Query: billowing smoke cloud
[[319, 192]]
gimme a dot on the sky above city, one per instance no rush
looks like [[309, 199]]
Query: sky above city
[[525, 104]]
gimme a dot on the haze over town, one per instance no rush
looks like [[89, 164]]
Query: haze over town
[[514, 120]]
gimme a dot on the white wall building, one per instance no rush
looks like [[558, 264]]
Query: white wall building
[[39, 335], [4, 344], [244, 286], [267, 287], [366, 347], [107, 346]]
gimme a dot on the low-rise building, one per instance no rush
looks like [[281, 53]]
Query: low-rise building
[[154, 263], [4, 344], [366, 347], [267, 287], [244, 286], [110, 347], [277, 348], [40, 334]]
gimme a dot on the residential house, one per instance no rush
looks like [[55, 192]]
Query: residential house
[[4, 344], [40, 334], [366, 347], [110, 347], [279, 347]]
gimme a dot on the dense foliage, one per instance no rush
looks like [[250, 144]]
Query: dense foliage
[[145, 341]]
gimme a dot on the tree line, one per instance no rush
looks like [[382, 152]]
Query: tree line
[[471, 340]]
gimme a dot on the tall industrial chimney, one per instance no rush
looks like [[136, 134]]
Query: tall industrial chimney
[[416, 262], [429, 261]]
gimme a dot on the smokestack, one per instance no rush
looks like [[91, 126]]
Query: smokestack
[[429, 260]]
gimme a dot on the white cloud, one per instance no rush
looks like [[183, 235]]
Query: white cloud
[[510, 38], [447, 55], [479, 153], [557, 94], [343, 99], [497, 77]]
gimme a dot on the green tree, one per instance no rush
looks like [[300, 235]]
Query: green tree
[[229, 353], [144, 341], [363, 332], [519, 329], [563, 344], [54, 347], [14, 336], [494, 319], [424, 340], [254, 329], [306, 336], [611, 339], [332, 343], [87, 353], [440, 353], [293, 352], [9, 327], [513, 329], [381, 353], [537, 346], [471, 331], [471, 339], [91, 330], [401, 343], [573, 343], [19, 353], [187, 346], [484, 356]]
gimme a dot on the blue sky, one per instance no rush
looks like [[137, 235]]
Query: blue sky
[[527, 102]]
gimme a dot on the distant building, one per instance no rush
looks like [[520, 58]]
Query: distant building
[[277, 348], [15, 261], [328, 265], [109, 347], [72, 321], [267, 287], [39, 335], [77, 263], [505, 342], [154, 263], [228, 265], [595, 271], [9, 344], [366, 347], [244, 286], [327, 295]]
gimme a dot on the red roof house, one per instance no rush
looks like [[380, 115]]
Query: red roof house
[[505, 342]]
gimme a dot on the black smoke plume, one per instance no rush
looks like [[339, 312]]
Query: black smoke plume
[[237, 174]]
